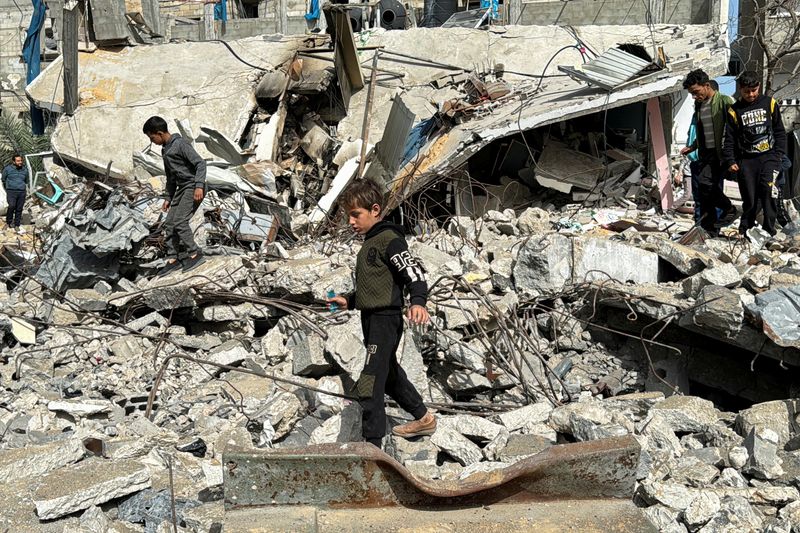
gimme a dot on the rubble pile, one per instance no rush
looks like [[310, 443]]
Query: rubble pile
[[114, 375]]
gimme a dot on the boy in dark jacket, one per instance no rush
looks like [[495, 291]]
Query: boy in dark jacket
[[15, 184], [186, 183], [755, 142], [384, 268]]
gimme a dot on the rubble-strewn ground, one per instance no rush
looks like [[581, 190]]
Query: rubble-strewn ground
[[518, 357]]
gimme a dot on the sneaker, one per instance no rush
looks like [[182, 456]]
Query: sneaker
[[418, 428], [170, 267], [192, 262], [727, 218]]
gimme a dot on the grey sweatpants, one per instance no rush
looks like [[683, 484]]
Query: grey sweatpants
[[180, 241]]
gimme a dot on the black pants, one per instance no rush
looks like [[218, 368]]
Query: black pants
[[16, 199], [757, 175], [383, 374], [711, 193], [180, 241]]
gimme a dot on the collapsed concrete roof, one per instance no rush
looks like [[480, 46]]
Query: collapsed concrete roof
[[203, 82], [528, 50]]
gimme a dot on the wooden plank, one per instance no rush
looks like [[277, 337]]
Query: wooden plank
[[660, 153], [69, 46]]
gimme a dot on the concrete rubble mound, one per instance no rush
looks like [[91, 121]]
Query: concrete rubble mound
[[568, 304]]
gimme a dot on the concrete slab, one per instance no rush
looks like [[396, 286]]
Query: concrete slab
[[119, 89], [587, 516]]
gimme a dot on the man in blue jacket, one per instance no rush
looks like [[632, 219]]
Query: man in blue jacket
[[15, 183]]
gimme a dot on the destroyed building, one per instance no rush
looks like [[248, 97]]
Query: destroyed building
[[589, 348]]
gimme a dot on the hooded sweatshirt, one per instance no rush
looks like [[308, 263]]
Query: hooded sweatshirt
[[384, 268]]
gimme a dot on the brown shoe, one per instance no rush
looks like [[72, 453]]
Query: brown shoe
[[424, 426]]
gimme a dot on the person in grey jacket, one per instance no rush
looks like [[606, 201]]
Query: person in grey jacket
[[15, 183], [186, 185]]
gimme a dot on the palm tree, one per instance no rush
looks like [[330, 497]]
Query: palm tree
[[16, 138]]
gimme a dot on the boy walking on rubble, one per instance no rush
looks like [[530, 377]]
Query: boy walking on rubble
[[755, 143], [384, 268], [709, 109], [186, 184]]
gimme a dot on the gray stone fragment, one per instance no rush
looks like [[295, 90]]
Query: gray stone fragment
[[138, 324], [661, 437], [712, 455], [502, 273], [687, 260], [534, 221], [476, 469], [738, 457], [90, 482], [735, 515], [472, 355], [673, 495], [723, 275], [152, 508], [206, 341], [791, 514], [87, 299], [169, 297], [731, 478], [544, 264], [762, 449], [691, 471], [31, 462], [778, 415], [520, 447], [529, 415], [464, 382], [308, 354], [345, 344], [599, 259], [435, 262], [456, 445], [686, 414], [702, 508], [80, 407], [722, 312], [344, 427], [664, 519]]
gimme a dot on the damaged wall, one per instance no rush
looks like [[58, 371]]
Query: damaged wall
[[616, 12], [14, 19]]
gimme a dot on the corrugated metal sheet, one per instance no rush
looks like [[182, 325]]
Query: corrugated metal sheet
[[610, 70]]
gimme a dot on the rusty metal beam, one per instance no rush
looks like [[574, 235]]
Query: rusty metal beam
[[357, 475]]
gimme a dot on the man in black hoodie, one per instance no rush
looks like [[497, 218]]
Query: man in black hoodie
[[755, 142], [384, 268], [186, 185]]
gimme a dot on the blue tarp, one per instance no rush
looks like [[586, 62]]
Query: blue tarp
[[485, 4], [417, 138], [221, 11], [31, 53], [313, 13]]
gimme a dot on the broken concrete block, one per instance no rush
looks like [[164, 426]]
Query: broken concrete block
[[409, 356], [339, 280], [762, 449], [722, 311], [686, 414], [467, 383], [731, 478], [502, 273], [661, 437], [778, 415], [534, 221], [23, 331], [298, 276], [345, 344], [477, 469], [140, 323], [735, 514], [712, 455], [460, 448], [544, 264], [529, 415], [283, 410], [273, 346], [81, 407], [673, 495], [601, 259], [31, 462], [87, 299], [435, 262], [308, 354], [344, 427], [686, 260], [702, 508], [722, 275], [520, 447], [693, 472], [90, 482], [664, 519], [472, 426], [169, 297]]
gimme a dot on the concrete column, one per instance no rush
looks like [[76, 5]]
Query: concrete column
[[69, 47], [209, 28]]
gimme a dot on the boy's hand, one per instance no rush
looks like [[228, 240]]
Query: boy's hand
[[198, 194], [341, 301], [687, 150], [733, 168], [165, 206], [417, 314]]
